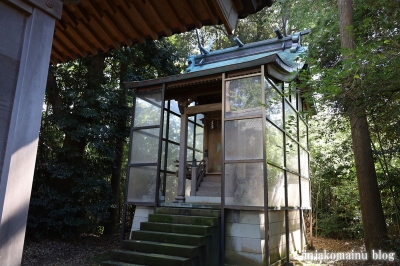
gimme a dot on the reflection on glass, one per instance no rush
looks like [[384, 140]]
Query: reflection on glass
[[243, 97], [244, 184], [165, 124], [190, 137], [305, 193], [290, 120], [145, 146], [174, 107], [243, 139], [173, 155], [278, 86], [199, 138], [293, 97], [171, 187], [163, 147], [292, 155], [304, 163], [199, 118], [273, 105], [302, 133], [174, 130], [274, 144], [293, 189], [189, 155], [161, 196], [142, 184], [147, 109], [276, 186], [199, 156]]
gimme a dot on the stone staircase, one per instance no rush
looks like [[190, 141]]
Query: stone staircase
[[211, 186], [172, 237]]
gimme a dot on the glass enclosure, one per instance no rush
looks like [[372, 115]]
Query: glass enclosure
[[170, 140], [145, 145], [265, 142]]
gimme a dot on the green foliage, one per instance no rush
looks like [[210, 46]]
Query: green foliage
[[334, 186], [87, 116]]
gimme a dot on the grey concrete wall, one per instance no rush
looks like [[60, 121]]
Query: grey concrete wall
[[26, 34], [277, 237], [245, 236]]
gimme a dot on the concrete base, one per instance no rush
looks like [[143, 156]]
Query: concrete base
[[245, 237], [141, 215], [203, 199]]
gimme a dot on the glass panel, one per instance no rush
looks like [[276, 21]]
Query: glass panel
[[273, 105], [189, 155], [165, 125], [302, 133], [293, 189], [243, 139], [276, 186], [199, 138], [274, 144], [243, 97], [173, 155], [305, 193], [286, 90], [171, 187], [199, 156], [299, 103], [142, 184], [293, 97], [292, 155], [244, 184], [147, 109], [290, 120], [174, 128], [161, 196], [190, 138], [199, 118], [174, 107], [145, 145], [304, 163], [163, 147], [278, 86]]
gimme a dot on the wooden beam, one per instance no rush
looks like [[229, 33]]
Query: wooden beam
[[166, 29], [103, 31], [76, 34], [143, 22], [67, 39], [172, 12], [196, 22], [213, 18], [63, 48], [128, 24], [228, 14], [106, 19], [199, 109], [92, 35]]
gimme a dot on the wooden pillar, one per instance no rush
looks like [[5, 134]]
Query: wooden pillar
[[26, 30], [183, 103]]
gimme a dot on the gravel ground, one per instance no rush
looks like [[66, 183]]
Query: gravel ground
[[85, 251], [90, 250]]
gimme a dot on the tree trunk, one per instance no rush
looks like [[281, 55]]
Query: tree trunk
[[110, 226], [370, 201]]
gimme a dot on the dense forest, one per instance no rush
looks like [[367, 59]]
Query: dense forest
[[352, 80]]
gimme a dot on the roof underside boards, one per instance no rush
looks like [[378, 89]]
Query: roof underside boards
[[95, 26], [283, 63]]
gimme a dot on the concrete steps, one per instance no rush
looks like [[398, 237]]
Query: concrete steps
[[211, 186], [173, 236]]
